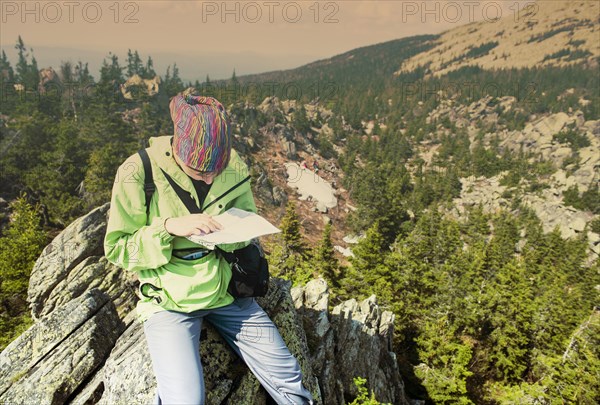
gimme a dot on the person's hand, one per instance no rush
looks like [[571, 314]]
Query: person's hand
[[194, 224]]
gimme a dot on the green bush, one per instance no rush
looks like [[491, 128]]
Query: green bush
[[363, 397], [574, 139], [20, 246]]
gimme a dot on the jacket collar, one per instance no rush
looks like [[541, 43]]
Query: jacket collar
[[235, 172]]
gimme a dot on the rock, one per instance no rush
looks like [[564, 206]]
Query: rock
[[352, 239], [269, 105], [561, 154], [279, 196], [263, 189], [354, 340], [359, 329], [552, 124], [281, 309], [55, 356], [95, 272], [81, 239], [312, 301], [578, 224], [326, 220], [593, 127], [128, 371], [589, 156], [149, 87], [346, 252], [289, 148]]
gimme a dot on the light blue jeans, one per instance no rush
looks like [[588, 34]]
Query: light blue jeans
[[173, 340]]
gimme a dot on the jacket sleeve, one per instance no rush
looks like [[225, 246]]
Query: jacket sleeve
[[129, 242]]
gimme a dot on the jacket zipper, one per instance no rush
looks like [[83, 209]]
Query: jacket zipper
[[225, 193]]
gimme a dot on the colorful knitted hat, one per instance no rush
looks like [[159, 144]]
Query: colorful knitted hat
[[202, 138]]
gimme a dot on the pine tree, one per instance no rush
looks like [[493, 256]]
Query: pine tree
[[325, 260], [369, 252], [290, 259], [509, 302], [7, 73], [27, 73], [149, 70], [19, 248], [290, 229], [300, 121]]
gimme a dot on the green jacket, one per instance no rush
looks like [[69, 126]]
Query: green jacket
[[143, 245]]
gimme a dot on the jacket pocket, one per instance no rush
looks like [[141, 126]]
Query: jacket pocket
[[188, 285]]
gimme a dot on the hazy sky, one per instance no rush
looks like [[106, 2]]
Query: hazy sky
[[214, 37]]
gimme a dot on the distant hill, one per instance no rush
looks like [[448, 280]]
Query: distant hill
[[545, 33]]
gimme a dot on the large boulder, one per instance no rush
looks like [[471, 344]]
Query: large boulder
[[73, 263], [354, 340], [49, 362]]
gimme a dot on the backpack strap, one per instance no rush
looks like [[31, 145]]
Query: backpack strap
[[183, 195], [149, 186], [228, 191]]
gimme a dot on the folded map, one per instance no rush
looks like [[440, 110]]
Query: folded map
[[238, 226]]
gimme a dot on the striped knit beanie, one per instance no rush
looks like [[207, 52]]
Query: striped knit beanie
[[202, 138]]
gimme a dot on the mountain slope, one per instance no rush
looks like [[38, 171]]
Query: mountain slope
[[544, 33]]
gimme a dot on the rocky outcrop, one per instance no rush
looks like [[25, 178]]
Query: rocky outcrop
[[354, 340], [149, 87], [548, 205], [543, 139], [87, 347], [50, 361], [73, 263], [49, 81]]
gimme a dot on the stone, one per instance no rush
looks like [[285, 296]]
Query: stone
[[560, 154], [311, 184], [593, 238], [578, 224], [321, 207], [150, 87], [289, 148], [264, 189], [80, 239], [352, 239], [354, 339], [95, 272], [47, 363], [551, 124], [280, 198], [346, 252]]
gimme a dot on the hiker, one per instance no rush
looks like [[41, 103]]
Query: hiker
[[316, 166], [183, 283]]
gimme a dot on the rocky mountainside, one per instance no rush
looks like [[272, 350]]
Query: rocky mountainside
[[571, 167], [543, 33], [86, 347]]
